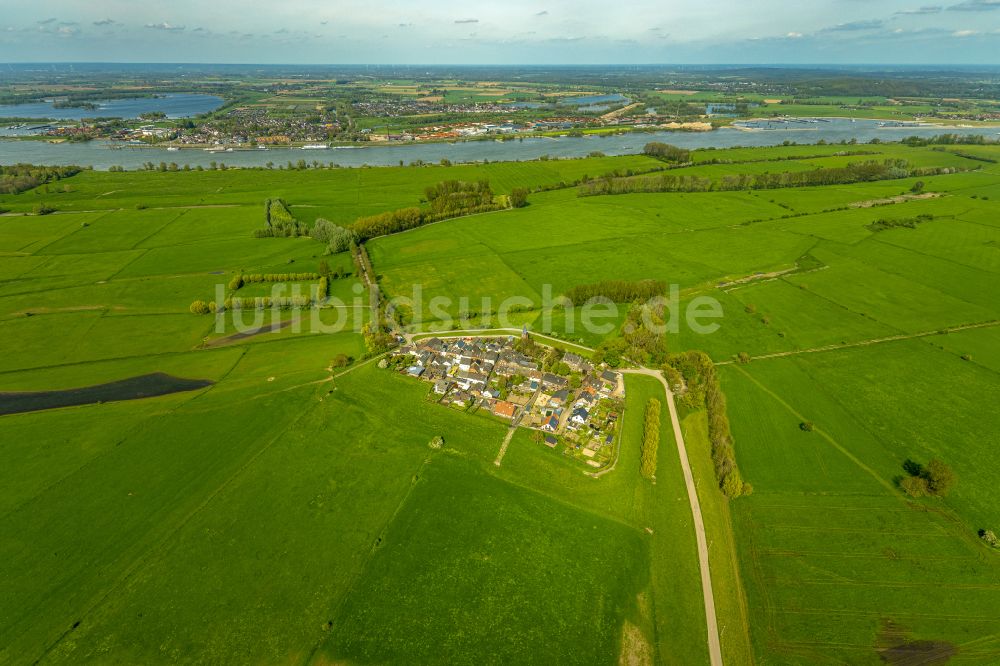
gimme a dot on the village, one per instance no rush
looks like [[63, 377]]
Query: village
[[561, 396]]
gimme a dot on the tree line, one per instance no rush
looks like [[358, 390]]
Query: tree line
[[448, 199], [855, 172], [616, 291], [650, 439], [17, 178], [698, 373], [883, 224], [249, 278]]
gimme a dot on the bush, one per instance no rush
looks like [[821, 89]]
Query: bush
[[199, 308], [914, 486], [989, 537], [806, 426], [43, 209]]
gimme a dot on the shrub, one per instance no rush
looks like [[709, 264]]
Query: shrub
[[806, 426], [914, 486], [199, 308], [989, 537], [43, 209]]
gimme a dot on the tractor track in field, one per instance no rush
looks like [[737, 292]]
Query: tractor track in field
[[868, 343]]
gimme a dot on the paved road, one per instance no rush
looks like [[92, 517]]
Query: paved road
[[714, 645]]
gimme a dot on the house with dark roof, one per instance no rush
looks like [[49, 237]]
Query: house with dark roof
[[559, 398], [574, 361], [552, 381]]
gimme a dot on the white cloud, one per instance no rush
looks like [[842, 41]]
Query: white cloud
[[164, 26]]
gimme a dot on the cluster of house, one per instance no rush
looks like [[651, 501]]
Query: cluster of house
[[491, 373]]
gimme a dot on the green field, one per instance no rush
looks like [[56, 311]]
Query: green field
[[293, 513]]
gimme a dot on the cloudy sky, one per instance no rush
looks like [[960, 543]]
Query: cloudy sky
[[509, 32]]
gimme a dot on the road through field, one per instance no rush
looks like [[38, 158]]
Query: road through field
[[714, 644]]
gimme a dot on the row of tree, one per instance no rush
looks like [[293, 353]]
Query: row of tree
[[16, 178], [906, 222], [268, 302], [650, 439], [447, 199], [856, 172], [703, 389], [616, 291], [250, 278]]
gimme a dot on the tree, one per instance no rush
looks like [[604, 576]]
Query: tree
[[734, 486], [341, 240], [918, 187], [199, 308], [989, 537], [914, 486], [940, 478], [321, 230], [806, 426], [341, 361], [518, 197]]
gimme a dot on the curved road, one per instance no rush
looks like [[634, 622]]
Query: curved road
[[714, 645]]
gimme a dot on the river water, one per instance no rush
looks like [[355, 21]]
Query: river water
[[175, 105], [101, 154]]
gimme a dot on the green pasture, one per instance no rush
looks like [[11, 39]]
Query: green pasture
[[289, 513]]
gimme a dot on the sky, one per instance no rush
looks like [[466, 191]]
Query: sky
[[508, 32]]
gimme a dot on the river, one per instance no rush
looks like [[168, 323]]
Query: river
[[101, 154], [174, 105]]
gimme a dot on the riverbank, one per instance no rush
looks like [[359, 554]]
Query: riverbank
[[101, 154]]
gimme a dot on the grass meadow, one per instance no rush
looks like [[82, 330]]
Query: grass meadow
[[287, 515]]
